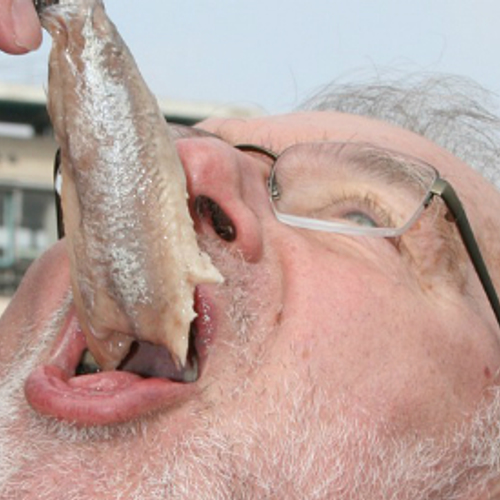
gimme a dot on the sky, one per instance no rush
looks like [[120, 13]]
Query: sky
[[273, 54]]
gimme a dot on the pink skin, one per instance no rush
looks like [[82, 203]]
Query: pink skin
[[395, 336], [20, 29]]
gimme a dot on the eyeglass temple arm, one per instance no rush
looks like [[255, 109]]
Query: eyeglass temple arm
[[443, 189], [59, 214]]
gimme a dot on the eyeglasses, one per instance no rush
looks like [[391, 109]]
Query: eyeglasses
[[358, 189], [351, 188]]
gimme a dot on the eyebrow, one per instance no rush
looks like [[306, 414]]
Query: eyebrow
[[185, 131], [181, 131], [386, 161], [388, 166], [397, 168]]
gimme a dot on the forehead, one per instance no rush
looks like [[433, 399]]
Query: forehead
[[281, 131], [278, 132], [480, 198]]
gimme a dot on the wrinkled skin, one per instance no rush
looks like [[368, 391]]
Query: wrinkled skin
[[359, 334], [306, 340]]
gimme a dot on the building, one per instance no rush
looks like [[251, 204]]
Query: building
[[27, 150]]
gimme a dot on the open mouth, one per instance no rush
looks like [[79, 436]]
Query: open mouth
[[72, 387], [148, 360]]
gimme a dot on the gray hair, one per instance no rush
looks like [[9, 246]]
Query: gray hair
[[454, 112]]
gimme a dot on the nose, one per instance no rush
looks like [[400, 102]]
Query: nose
[[227, 193]]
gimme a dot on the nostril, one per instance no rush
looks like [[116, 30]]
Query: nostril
[[221, 223]]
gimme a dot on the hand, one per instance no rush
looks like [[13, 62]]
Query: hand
[[20, 30]]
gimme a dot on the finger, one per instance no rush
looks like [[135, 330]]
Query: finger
[[20, 30]]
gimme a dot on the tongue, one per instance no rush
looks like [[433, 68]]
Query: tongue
[[148, 360], [134, 258]]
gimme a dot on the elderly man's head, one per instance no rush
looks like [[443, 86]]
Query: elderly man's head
[[336, 366]]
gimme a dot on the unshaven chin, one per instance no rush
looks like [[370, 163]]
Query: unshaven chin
[[288, 449], [288, 456]]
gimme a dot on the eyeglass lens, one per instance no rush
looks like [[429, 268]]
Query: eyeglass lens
[[350, 184]]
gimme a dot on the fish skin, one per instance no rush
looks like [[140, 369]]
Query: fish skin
[[134, 257], [42, 4]]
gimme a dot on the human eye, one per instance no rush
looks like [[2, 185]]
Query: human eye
[[356, 209]]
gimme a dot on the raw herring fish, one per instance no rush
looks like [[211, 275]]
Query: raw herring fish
[[133, 253]]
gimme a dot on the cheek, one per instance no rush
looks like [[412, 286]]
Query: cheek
[[384, 346], [42, 291], [339, 316]]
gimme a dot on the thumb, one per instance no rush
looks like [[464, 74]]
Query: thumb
[[20, 29]]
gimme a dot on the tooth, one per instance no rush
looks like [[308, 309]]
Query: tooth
[[190, 373], [133, 253], [111, 350], [88, 364]]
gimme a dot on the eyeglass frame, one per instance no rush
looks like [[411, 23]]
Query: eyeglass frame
[[440, 187]]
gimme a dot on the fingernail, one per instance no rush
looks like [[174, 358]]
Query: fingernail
[[27, 32]]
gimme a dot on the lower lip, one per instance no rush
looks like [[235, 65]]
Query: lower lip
[[99, 399]]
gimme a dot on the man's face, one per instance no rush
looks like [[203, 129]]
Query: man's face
[[323, 364]]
